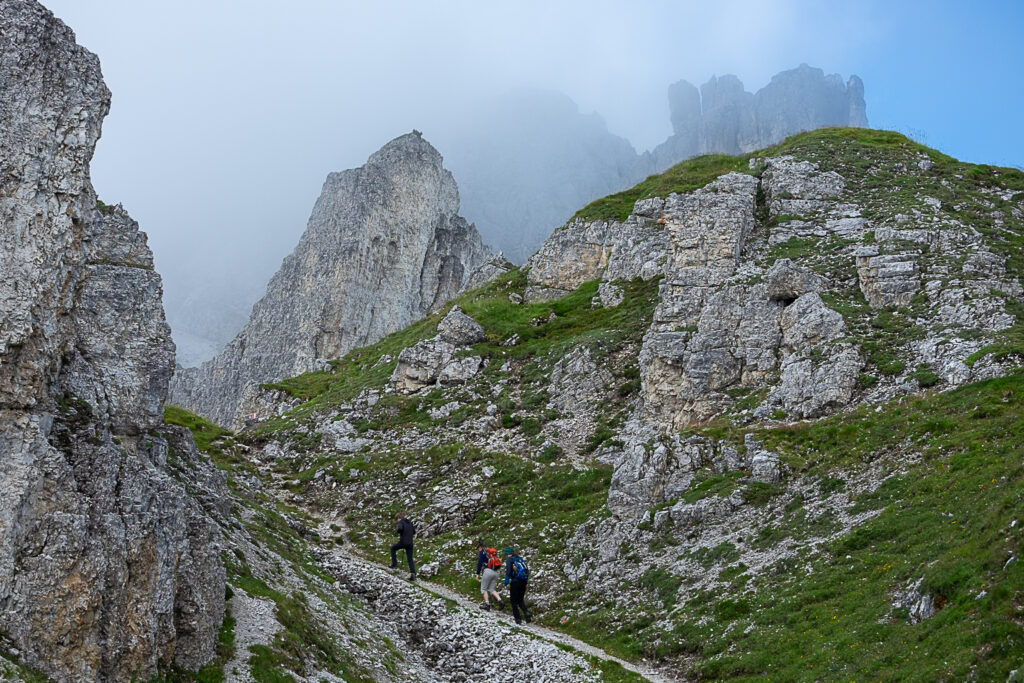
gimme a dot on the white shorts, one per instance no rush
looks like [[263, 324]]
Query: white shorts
[[488, 581]]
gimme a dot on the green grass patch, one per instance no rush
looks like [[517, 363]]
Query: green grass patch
[[663, 584], [686, 176], [946, 520], [215, 441]]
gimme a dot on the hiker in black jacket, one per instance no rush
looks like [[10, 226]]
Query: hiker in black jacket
[[406, 532], [517, 574]]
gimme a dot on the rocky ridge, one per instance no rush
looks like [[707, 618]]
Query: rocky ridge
[[384, 246], [108, 569], [550, 159]]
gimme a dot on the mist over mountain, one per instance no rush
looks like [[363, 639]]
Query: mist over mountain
[[723, 118], [757, 416], [525, 162]]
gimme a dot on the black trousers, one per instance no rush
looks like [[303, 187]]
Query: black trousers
[[408, 555], [517, 595]]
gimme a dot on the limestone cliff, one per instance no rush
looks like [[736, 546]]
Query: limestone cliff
[[384, 246], [107, 569]]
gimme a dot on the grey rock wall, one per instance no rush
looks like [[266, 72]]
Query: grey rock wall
[[108, 570], [384, 246]]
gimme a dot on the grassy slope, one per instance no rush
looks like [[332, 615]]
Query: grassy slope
[[947, 518], [686, 176], [529, 492], [541, 342]]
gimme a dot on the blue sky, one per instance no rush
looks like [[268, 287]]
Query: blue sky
[[951, 74]]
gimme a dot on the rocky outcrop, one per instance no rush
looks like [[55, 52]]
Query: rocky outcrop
[[108, 570], [887, 279], [688, 356], [723, 118], [433, 361], [605, 250], [736, 324], [384, 246]]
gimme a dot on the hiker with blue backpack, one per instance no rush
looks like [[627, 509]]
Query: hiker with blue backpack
[[487, 564], [517, 574]]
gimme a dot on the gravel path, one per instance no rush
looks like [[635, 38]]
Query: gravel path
[[350, 554], [255, 624], [548, 634]]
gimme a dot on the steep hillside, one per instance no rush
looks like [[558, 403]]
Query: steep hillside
[[384, 246], [758, 415]]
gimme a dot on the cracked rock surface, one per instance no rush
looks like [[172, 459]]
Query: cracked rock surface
[[107, 568]]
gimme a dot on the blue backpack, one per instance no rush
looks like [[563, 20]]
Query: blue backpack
[[520, 572]]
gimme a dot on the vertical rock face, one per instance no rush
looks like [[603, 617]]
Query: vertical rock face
[[384, 246], [689, 353], [107, 568], [723, 118]]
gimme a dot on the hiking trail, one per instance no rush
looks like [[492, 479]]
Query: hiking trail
[[545, 633], [350, 553]]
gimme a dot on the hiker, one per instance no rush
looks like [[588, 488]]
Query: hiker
[[517, 574], [487, 564], [406, 532]]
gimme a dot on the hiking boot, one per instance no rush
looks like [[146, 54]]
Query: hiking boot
[[394, 566], [518, 621], [501, 605], [528, 617], [412, 577], [486, 607]]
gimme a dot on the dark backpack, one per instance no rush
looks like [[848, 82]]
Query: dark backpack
[[520, 571]]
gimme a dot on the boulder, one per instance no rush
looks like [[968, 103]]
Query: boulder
[[887, 279], [459, 329], [459, 370], [420, 365], [808, 322]]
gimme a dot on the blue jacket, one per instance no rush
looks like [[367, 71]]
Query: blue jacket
[[508, 569]]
